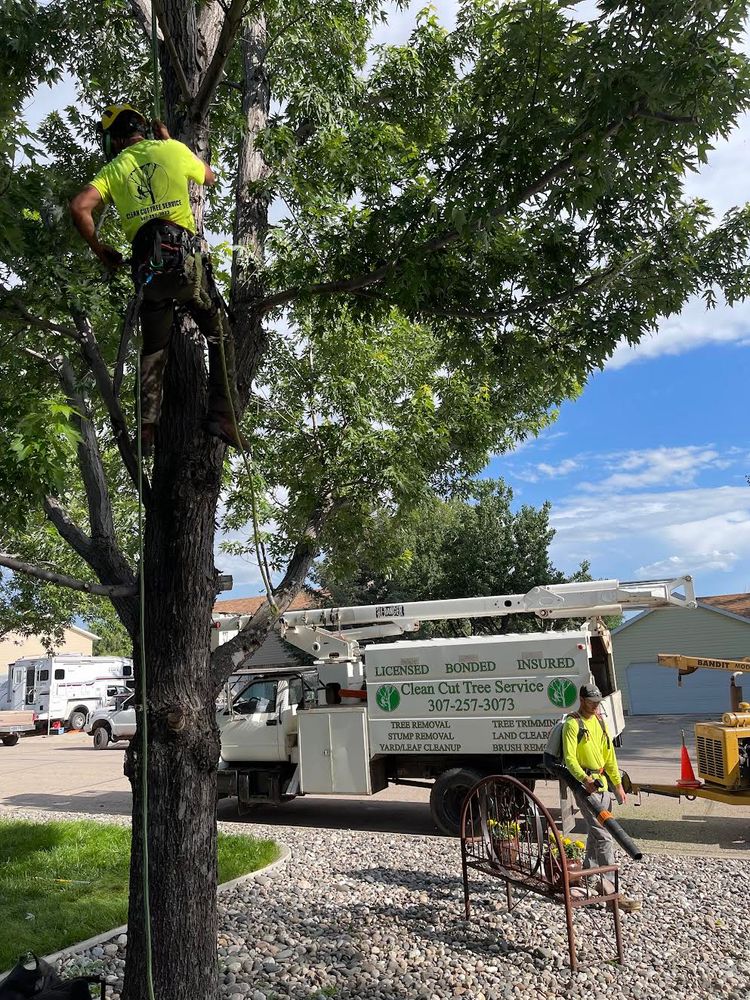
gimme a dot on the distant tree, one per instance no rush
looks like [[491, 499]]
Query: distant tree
[[113, 636], [470, 546]]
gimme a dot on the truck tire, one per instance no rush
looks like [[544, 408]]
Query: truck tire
[[78, 718], [11, 740], [447, 798], [102, 738]]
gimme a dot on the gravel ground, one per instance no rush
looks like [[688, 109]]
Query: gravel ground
[[363, 916]]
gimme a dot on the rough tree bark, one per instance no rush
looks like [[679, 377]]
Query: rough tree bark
[[179, 567]]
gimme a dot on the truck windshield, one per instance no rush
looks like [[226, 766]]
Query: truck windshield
[[260, 696]]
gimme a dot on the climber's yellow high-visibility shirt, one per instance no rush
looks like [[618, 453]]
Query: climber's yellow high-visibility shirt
[[593, 752], [149, 180]]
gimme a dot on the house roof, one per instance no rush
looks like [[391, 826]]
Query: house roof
[[249, 605], [84, 632], [732, 605], [736, 604]]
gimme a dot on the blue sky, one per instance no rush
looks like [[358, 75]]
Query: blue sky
[[646, 469]]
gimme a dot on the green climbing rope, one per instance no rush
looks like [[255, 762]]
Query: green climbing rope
[[146, 887]]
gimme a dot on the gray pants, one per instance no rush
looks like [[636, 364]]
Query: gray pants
[[600, 848]]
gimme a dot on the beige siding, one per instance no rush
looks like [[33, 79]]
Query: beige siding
[[15, 647], [693, 633]]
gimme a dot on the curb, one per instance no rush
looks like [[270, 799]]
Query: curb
[[72, 949]]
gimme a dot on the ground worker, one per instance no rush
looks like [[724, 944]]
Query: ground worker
[[588, 753], [147, 180]]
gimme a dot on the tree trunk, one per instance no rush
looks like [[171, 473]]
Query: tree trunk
[[183, 740]]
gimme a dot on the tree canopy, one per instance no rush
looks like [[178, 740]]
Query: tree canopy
[[463, 228]]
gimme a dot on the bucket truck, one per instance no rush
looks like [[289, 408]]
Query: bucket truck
[[440, 712]]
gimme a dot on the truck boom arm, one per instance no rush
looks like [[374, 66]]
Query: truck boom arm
[[689, 664], [331, 631]]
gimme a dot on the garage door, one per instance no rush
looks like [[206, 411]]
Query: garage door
[[653, 690]]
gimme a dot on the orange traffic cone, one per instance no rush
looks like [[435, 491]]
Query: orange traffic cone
[[687, 775]]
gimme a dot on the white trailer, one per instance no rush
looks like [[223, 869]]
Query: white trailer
[[443, 711], [65, 688]]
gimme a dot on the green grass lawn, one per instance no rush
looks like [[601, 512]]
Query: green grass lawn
[[64, 882]]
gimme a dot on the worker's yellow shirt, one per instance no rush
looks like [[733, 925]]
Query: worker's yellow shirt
[[149, 180], [593, 752]]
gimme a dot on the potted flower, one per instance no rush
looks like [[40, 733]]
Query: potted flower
[[574, 851], [504, 840]]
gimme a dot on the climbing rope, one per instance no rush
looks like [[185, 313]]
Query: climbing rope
[[143, 692], [146, 886]]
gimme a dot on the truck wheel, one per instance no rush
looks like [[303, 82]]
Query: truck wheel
[[447, 798], [101, 738], [10, 741], [78, 718]]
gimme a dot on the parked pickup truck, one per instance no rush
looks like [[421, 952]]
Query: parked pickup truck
[[13, 725], [108, 725]]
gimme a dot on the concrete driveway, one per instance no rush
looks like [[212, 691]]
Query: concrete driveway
[[65, 773]]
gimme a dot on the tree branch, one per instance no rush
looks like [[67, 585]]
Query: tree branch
[[90, 462], [62, 580], [665, 116], [451, 236], [215, 71], [68, 530], [142, 13], [93, 357], [179, 72], [226, 658], [17, 309], [103, 553]]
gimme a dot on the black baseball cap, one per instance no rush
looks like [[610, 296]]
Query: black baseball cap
[[590, 692]]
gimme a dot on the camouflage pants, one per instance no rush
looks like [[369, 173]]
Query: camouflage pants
[[189, 286]]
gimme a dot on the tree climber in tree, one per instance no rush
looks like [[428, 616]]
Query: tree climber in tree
[[147, 180]]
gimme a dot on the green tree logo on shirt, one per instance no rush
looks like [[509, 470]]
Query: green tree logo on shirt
[[388, 697], [561, 692], [149, 182]]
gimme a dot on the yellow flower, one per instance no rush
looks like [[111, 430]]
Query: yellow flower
[[580, 843], [566, 840]]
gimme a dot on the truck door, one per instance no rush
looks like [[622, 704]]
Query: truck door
[[252, 730], [30, 685]]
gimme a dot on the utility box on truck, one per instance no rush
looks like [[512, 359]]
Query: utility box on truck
[[442, 712], [334, 751]]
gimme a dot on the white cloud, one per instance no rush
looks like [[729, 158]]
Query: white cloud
[[679, 565], [658, 467], [666, 466], [695, 327], [546, 470], [636, 534], [722, 181]]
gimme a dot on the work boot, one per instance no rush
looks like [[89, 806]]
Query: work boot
[[148, 433], [221, 425]]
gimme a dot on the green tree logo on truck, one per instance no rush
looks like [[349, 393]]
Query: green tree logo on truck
[[561, 692], [388, 697]]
